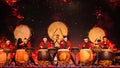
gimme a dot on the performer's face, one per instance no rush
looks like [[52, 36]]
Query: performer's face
[[44, 39], [7, 42], [65, 39], [104, 39], [25, 41], [86, 40]]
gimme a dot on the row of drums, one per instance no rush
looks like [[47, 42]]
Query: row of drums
[[20, 57], [62, 56], [85, 56]]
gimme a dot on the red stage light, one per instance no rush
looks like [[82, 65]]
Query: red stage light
[[10, 2]]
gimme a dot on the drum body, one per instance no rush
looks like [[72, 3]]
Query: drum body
[[21, 56], [117, 57], [43, 55], [2, 57], [85, 56], [96, 49], [106, 54], [63, 55]]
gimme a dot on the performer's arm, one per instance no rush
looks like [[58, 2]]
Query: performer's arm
[[41, 45], [61, 44], [82, 45], [69, 44], [90, 45], [101, 44], [12, 47], [49, 45]]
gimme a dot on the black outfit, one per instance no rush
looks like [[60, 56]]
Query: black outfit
[[96, 58], [86, 46], [65, 45], [105, 46], [45, 46], [18, 46]]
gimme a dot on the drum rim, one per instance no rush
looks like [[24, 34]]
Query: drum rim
[[20, 49], [63, 50], [43, 50]]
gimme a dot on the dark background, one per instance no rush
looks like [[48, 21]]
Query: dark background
[[79, 16]]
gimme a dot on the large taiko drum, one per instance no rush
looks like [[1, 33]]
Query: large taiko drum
[[22, 31], [64, 55], [106, 56], [2, 57], [43, 55], [21, 56], [85, 56]]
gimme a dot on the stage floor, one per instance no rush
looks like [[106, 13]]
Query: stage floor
[[117, 66]]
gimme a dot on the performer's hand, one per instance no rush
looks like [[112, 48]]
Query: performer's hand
[[13, 53], [41, 46], [90, 48], [68, 48]]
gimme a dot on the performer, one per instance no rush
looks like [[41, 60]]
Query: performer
[[57, 42], [105, 44], [10, 54], [19, 44], [45, 43], [23, 44], [65, 43], [86, 44]]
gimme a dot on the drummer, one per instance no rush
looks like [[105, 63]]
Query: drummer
[[23, 44], [27, 44], [57, 42], [105, 44], [11, 54], [66, 44], [86, 44], [45, 44]]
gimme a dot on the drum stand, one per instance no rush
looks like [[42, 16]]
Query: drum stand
[[7, 64], [29, 51], [96, 59], [75, 50], [97, 55]]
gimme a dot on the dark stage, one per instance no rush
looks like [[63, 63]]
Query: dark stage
[[38, 29]]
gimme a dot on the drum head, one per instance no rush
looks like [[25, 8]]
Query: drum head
[[63, 50], [96, 33], [1, 50], [20, 49], [57, 28], [43, 50], [22, 31]]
